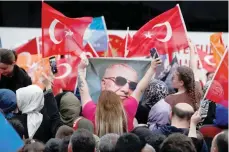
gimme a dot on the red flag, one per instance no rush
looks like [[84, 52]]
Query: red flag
[[207, 61], [31, 47], [115, 43], [113, 47], [90, 52], [61, 35], [125, 45], [166, 32], [218, 90], [67, 73]]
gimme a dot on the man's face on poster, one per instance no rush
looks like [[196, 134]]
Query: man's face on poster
[[121, 79]]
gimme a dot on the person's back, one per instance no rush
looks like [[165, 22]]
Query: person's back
[[177, 143], [11, 76], [82, 141]]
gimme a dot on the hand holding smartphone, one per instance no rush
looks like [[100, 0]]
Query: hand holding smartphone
[[52, 61], [153, 52]]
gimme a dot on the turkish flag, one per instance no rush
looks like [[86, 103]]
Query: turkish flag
[[67, 73], [207, 60], [166, 33], [62, 35], [218, 90], [32, 47]]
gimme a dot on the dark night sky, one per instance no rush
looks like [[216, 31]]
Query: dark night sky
[[198, 16]]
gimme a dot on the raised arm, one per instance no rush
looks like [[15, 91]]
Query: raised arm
[[195, 119], [144, 82], [193, 60], [82, 83]]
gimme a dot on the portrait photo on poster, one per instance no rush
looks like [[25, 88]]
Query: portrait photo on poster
[[118, 70]]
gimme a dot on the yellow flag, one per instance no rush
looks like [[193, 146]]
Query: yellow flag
[[217, 47]]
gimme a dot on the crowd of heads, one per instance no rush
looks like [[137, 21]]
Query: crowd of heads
[[165, 119]]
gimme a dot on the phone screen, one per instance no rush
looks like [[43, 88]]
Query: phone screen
[[53, 65], [153, 51]]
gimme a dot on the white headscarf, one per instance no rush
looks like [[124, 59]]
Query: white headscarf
[[30, 100]]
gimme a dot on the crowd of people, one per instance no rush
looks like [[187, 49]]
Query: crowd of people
[[130, 115]]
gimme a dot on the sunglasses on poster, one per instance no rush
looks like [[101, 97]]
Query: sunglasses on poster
[[121, 81]]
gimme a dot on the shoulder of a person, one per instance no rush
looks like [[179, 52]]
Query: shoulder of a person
[[130, 99], [169, 97], [21, 72], [21, 117]]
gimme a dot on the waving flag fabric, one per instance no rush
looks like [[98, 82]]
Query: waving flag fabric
[[32, 47], [61, 35], [96, 34], [217, 47], [218, 90], [166, 32]]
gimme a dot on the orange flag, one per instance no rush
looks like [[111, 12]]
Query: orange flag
[[34, 65], [217, 47]]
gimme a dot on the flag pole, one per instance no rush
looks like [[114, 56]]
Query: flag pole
[[126, 51], [93, 50], [105, 29], [217, 50]]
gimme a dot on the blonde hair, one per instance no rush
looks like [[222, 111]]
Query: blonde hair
[[110, 115]]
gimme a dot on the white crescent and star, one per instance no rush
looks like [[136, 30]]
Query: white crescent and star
[[207, 59], [68, 70], [52, 32], [168, 33]]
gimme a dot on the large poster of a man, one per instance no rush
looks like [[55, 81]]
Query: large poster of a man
[[119, 75]]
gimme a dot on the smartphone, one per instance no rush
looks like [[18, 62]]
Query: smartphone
[[153, 52], [52, 61]]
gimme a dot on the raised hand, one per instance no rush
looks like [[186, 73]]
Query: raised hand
[[155, 62]]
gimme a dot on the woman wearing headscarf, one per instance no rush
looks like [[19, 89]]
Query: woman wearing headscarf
[[160, 110], [69, 107], [156, 91], [30, 101], [8, 102], [39, 113]]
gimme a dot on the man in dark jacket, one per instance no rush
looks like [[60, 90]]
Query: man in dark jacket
[[180, 123], [11, 76], [180, 120]]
